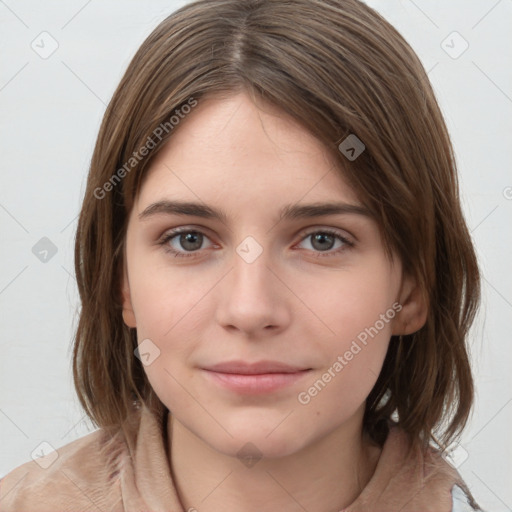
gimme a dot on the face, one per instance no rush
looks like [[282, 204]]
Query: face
[[316, 293]]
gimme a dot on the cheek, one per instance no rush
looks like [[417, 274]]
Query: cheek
[[353, 301], [353, 360], [170, 305], [167, 300], [358, 311]]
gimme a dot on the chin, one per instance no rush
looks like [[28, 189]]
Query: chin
[[268, 439], [254, 446]]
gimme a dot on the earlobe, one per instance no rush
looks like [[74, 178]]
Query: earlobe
[[128, 314], [413, 315]]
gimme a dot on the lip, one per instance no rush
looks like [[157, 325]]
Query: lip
[[259, 367], [254, 378]]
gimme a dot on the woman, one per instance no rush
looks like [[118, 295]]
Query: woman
[[307, 351]]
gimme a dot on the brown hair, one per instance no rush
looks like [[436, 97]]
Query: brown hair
[[338, 68]]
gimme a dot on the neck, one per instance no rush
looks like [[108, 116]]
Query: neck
[[326, 475]]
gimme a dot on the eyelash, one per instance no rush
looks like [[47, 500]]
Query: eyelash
[[173, 233]]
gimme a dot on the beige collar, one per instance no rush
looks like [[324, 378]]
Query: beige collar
[[129, 471]]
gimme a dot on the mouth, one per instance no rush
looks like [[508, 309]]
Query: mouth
[[254, 378]]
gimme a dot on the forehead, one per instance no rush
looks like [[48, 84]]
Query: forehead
[[231, 151]]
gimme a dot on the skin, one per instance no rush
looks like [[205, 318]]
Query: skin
[[289, 305]]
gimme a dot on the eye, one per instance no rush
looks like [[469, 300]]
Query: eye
[[322, 241], [191, 240]]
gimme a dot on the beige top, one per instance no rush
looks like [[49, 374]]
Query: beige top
[[130, 471]]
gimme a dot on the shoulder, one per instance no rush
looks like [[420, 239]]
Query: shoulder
[[438, 476], [461, 502], [78, 475]]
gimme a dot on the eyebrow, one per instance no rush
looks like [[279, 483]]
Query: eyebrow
[[288, 212]]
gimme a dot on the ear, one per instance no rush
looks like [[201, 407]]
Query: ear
[[413, 315], [128, 314]]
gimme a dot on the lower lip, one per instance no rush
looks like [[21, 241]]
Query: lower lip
[[255, 384]]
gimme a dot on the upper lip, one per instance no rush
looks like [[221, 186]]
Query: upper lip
[[259, 367]]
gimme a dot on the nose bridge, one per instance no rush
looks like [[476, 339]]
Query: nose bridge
[[251, 297], [251, 263]]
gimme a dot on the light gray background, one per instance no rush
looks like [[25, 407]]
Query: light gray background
[[51, 110]]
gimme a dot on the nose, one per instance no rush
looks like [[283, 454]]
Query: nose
[[253, 298]]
